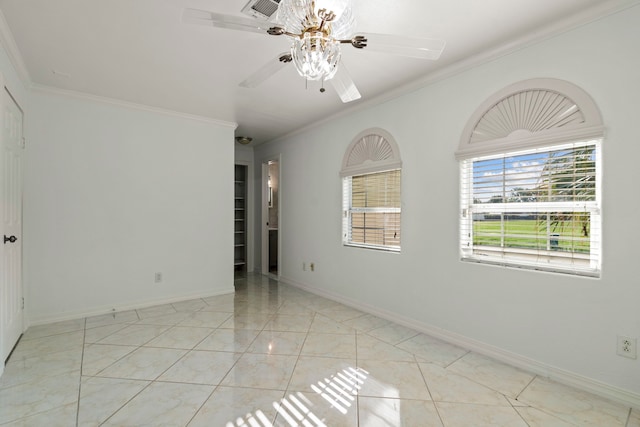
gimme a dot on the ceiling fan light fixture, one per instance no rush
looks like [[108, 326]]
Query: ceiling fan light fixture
[[317, 29], [316, 56]]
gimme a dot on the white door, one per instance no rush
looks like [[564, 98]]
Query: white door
[[11, 250]]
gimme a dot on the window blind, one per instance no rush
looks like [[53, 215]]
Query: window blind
[[537, 208], [372, 208]]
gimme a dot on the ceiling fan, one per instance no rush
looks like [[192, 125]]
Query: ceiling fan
[[317, 29]]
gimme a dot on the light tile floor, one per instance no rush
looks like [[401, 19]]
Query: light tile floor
[[273, 355]]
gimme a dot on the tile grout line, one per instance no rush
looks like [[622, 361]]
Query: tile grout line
[[128, 401], [284, 392], [150, 382], [287, 387], [84, 334], [626, 424], [457, 359], [216, 387], [426, 383], [526, 387], [126, 379], [202, 405], [518, 412]]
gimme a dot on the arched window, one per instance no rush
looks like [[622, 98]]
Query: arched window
[[371, 178], [530, 180]]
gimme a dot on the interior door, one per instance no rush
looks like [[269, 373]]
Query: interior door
[[12, 144]]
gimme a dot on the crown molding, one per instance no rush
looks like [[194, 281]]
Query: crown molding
[[555, 29], [11, 48], [129, 105], [9, 45], [585, 17]]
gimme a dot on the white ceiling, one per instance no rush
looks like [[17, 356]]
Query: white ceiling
[[139, 51]]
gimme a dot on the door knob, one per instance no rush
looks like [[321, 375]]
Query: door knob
[[10, 239]]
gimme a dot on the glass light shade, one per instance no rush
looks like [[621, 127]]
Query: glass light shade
[[315, 56], [296, 16], [335, 6], [344, 26]]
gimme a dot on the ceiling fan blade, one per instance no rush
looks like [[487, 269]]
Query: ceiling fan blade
[[204, 17], [413, 47], [344, 85], [267, 70]]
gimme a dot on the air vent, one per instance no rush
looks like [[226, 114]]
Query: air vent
[[261, 9]]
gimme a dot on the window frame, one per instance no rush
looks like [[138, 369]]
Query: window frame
[[372, 151], [349, 210], [570, 262], [508, 123]]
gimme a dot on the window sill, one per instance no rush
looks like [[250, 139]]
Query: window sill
[[395, 250], [521, 265]]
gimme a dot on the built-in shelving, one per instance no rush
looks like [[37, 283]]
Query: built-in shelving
[[240, 231]]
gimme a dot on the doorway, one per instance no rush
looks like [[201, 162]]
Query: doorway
[[271, 218], [11, 293]]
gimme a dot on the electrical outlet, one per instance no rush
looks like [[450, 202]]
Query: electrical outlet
[[304, 266], [312, 266], [158, 277], [627, 347]]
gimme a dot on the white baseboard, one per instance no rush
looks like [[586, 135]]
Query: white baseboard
[[97, 311], [547, 371]]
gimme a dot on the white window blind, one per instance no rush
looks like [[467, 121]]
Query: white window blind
[[371, 210], [537, 208]]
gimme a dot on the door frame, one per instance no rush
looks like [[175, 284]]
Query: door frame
[[265, 214]]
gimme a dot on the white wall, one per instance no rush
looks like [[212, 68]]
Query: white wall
[[114, 194], [243, 154], [555, 322]]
